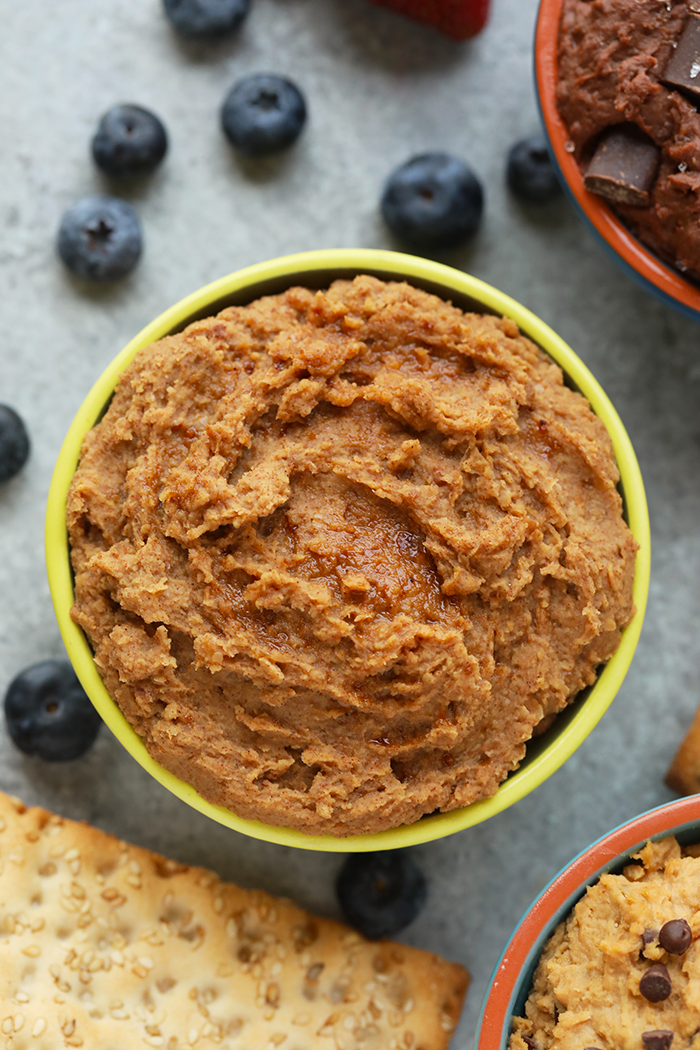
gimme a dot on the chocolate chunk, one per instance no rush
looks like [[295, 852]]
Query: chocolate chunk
[[675, 936], [530, 1042], [683, 67], [655, 984], [624, 166], [658, 1039], [648, 937]]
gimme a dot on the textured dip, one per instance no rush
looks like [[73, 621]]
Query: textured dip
[[340, 553], [612, 54], [623, 971]]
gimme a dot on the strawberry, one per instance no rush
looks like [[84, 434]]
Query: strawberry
[[457, 18]]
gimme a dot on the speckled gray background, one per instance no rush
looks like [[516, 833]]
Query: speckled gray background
[[379, 89]]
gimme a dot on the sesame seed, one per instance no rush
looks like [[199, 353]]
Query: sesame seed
[[32, 950], [39, 1027]]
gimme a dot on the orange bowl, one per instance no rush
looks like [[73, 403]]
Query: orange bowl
[[512, 978], [638, 261]]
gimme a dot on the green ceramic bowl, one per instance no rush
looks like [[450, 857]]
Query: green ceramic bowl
[[318, 269]]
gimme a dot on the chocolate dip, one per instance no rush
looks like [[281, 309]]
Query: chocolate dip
[[340, 553], [620, 64]]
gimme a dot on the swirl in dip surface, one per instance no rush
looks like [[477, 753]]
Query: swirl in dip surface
[[340, 553]]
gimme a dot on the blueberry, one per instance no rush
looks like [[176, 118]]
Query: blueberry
[[48, 713], [530, 173], [432, 201], [380, 893], [206, 19], [263, 113], [14, 443], [129, 141], [100, 238]]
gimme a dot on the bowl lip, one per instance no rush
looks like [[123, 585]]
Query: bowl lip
[[334, 263], [556, 901], [655, 275]]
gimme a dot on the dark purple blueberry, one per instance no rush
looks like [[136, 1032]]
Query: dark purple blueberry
[[263, 113], [48, 712], [658, 1039], [675, 936], [14, 443], [433, 201], [100, 238], [206, 19], [655, 984], [530, 173], [380, 893], [129, 141]]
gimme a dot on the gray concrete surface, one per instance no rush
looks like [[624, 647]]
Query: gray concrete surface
[[379, 89]]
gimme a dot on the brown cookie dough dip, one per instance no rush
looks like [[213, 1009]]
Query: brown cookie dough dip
[[628, 92], [341, 553], [623, 970]]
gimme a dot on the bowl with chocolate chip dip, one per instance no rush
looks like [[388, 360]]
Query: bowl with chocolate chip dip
[[349, 549], [609, 953], [619, 95]]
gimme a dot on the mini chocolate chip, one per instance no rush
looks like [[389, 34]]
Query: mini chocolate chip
[[658, 1039], [648, 937], [675, 936], [530, 1042], [655, 984]]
